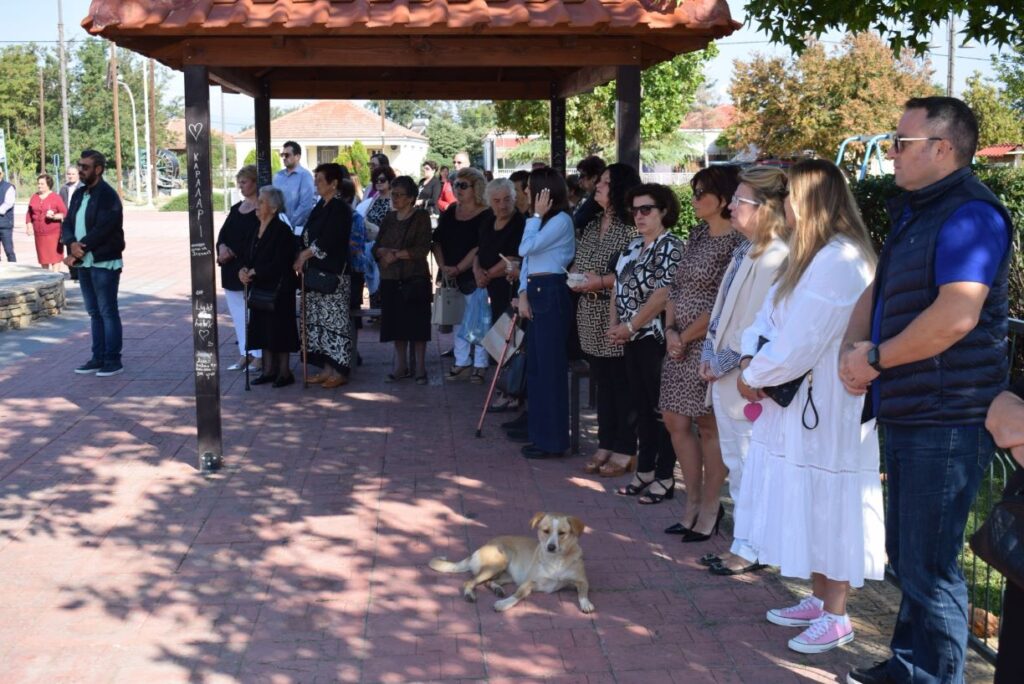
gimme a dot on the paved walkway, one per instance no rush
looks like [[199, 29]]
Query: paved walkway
[[305, 559]]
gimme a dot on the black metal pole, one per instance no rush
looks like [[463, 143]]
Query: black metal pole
[[557, 131], [627, 115], [204, 284], [262, 126]]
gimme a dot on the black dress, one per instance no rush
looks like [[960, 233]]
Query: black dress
[[272, 256], [492, 244], [328, 321], [237, 234]]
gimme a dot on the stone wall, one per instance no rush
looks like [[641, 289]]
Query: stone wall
[[27, 294]]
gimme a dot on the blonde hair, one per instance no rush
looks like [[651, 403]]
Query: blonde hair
[[823, 209], [476, 178], [248, 171], [770, 186]]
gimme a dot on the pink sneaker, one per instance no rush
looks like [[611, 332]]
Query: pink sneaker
[[824, 634], [800, 615]]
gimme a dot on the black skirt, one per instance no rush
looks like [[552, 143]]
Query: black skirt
[[405, 310], [276, 331]]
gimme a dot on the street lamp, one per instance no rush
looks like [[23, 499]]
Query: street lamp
[[135, 132]]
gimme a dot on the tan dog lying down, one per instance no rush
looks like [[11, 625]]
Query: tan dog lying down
[[548, 563]]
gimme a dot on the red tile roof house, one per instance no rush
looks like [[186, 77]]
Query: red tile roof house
[[1003, 155], [324, 127]]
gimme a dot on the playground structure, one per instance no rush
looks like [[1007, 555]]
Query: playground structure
[[872, 147]]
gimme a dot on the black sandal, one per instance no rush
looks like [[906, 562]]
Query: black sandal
[[650, 498], [421, 379], [632, 489], [709, 559], [395, 377]]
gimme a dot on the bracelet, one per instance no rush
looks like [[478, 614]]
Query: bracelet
[[629, 327]]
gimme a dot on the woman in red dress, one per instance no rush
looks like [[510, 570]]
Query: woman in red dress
[[46, 211]]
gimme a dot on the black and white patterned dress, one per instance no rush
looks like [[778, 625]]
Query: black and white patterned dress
[[639, 272]]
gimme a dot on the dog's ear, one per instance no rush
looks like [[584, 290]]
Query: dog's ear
[[535, 520], [577, 525]]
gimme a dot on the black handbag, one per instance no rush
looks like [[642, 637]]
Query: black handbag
[[263, 299], [1000, 540], [512, 379], [784, 394], [320, 281]]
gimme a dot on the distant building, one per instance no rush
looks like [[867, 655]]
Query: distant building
[[323, 128], [707, 126], [1003, 155]]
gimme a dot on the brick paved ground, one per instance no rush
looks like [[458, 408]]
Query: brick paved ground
[[304, 560]]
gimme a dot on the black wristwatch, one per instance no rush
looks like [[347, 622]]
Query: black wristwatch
[[874, 359]]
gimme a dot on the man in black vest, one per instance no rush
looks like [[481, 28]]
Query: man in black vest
[[928, 338], [7, 198], [93, 231]]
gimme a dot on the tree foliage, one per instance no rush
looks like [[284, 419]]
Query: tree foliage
[[462, 129], [275, 161], [901, 24], [667, 90], [1010, 67], [997, 121], [403, 112], [356, 159], [787, 106]]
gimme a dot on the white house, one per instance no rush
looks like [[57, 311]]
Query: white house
[[708, 125], [324, 127]]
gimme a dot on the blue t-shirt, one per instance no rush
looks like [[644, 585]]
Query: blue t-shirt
[[969, 248]]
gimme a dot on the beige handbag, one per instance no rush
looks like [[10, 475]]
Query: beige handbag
[[494, 341], [449, 304]]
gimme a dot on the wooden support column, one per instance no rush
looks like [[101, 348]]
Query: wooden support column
[[262, 126], [627, 115], [204, 284], [557, 130]]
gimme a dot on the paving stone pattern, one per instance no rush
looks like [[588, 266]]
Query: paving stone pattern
[[305, 559]]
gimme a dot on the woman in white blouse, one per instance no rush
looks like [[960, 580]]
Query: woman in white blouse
[[811, 501]]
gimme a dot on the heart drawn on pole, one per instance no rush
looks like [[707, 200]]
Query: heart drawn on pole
[[196, 129]]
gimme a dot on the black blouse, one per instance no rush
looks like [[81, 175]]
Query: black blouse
[[430, 192], [458, 238], [272, 256], [493, 243], [327, 231], [237, 235]]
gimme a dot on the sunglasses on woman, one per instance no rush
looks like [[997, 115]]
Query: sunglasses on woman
[[461, 185], [644, 209], [380, 180]]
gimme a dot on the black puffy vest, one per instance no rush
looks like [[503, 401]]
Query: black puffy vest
[[957, 386]]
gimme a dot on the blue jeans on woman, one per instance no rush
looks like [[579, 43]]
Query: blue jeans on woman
[[99, 292], [547, 362], [933, 475]]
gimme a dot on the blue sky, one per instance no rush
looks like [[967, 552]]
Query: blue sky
[[37, 21]]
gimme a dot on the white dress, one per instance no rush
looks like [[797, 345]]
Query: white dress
[[811, 500]]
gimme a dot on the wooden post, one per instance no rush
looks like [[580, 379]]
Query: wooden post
[[204, 284], [557, 130], [627, 115], [117, 117], [262, 126]]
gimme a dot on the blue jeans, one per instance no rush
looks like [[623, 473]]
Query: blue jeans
[[933, 476], [99, 292], [547, 363], [7, 241]]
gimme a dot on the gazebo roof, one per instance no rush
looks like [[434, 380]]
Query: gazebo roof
[[411, 49]]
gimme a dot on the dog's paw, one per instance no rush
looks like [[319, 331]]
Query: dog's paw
[[469, 595], [497, 589], [504, 604], [586, 606]]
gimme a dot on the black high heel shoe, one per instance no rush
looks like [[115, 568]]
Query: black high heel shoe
[[680, 528], [693, 536], [632, 489]]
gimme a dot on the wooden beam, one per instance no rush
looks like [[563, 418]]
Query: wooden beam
[[236, 80], [204, 283], [261, 125], [627, 115], [409, 90], [345, 53], [585, 80], [557, 130]]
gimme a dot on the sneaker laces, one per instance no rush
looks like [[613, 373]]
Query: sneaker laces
[[808, 602], [818, 627]]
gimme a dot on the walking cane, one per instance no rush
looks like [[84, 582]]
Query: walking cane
[[494, 380], [302, 325], [245, 366]]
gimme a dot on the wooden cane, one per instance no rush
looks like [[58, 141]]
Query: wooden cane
[[245, 369], [302, 309], [494, 380]]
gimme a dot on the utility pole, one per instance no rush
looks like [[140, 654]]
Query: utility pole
[[42, 123], [150, 146], [952, 47], [145, 125], [135, 134], [117, 118], [62, 57]]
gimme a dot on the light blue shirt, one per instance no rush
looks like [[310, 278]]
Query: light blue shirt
[[547, 251], [299, 194], [80, 231]]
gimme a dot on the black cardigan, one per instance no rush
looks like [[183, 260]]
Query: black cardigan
[[104, 222], [330, 226]]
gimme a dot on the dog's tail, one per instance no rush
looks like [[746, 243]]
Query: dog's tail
[[445, 565]]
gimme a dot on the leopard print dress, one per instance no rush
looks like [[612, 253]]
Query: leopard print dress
[[693, 292]]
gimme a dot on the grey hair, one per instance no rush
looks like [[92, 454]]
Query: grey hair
[[274, 196], [498, 185]]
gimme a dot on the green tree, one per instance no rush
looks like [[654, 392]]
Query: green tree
[[403, 112], [667, 89], [812, 102], [19, 110], [447, 137], [275, 161], [997, 121], [902, 24], [1010, 67]]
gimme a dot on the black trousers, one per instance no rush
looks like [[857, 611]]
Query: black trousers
[[643, 364], [1010, 662], [616, 420]]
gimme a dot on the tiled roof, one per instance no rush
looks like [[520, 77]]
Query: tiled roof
[[719, 118], [330, 120], [1000, 150], [168, 17]]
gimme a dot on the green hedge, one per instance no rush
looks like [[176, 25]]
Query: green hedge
[[180, 202]]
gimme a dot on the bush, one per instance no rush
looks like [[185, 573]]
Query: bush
[[180, 202], [687, 219], [275, 161], [356, 159]]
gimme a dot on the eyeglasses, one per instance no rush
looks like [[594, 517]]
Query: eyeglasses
[[644, 209], [898, 142], [736, 199], [382, 179], [462, 185], [697, 194]]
